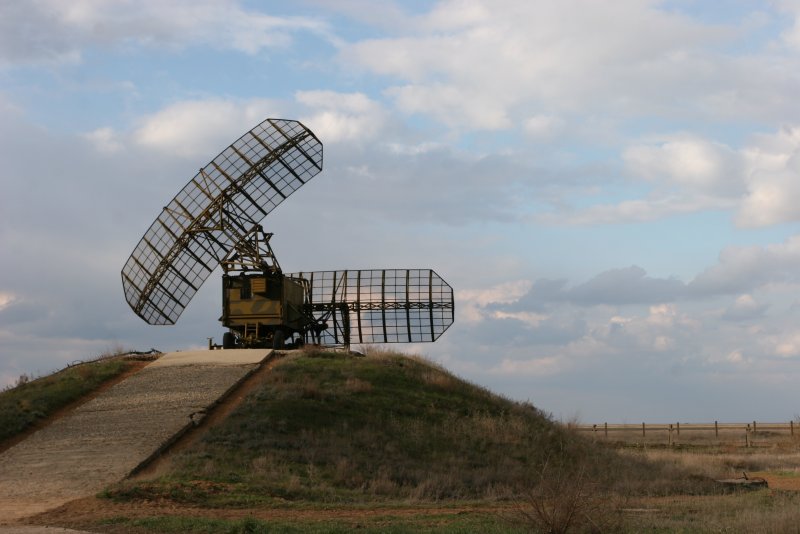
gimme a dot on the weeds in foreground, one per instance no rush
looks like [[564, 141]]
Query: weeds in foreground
[[567, 499]]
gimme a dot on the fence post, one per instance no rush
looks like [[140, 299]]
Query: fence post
[[594, 432], [679, 429], [791, 427], [716, 429], [754, 428], [747, 436], [642, 429], [669, 439], [606, 429]]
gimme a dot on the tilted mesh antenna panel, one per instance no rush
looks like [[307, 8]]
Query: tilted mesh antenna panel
[[214, 212], [380, 305]]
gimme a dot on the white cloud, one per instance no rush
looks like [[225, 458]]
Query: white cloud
[[453, 106], [477, 65], [639, 210], [201, 128], [745, 307], [531, 367], [472, 301], [342, 117], [104, 140], [530, 319], [7, 299], [689, 162], [544, 126], [743, 269], [771, 198], [52, 30], [791, 36], [788, 346], [663, 343], [757, 182]]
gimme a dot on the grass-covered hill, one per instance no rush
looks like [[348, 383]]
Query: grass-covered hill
[[328, 441], [328, 427]]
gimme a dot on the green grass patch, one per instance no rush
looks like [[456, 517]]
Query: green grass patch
[[443, 524], [33, 400], [331, 428]]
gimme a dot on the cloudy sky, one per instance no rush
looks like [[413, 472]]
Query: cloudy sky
[[610, 187]]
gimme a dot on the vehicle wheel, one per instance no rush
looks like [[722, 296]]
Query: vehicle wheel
[[298, 343], [228, 340], [278, 339]]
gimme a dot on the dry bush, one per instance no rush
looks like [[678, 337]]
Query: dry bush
[[566, 500]]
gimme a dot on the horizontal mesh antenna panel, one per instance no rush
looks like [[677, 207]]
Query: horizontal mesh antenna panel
[[214, 212], [380, 305]]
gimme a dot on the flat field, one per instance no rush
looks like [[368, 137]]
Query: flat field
[[728, 451]]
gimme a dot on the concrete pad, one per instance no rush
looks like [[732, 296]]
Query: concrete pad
[[212, 357], [102, 441]]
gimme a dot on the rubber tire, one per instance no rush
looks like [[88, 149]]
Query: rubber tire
[[228, 340], [278, 340]]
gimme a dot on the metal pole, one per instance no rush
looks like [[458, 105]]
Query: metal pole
[[716, 429]]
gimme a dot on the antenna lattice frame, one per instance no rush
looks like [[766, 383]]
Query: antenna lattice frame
[[214, 212]]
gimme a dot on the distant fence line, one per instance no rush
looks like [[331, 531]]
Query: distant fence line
[[750, 429]]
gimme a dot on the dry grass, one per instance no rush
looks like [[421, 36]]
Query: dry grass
[[725, 464], [329, 427], [752, 512]]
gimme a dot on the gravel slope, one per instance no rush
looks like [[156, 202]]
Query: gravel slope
[[103, 440]]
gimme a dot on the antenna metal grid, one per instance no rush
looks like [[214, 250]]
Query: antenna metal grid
[[219, 206], [380, 305]]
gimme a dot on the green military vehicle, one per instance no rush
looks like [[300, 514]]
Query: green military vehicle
[[261, 306], [263, 309]]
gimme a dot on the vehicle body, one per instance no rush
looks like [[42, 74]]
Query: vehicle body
[[264, 309]]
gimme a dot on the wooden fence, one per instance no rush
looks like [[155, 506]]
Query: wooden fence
[[673, 430]]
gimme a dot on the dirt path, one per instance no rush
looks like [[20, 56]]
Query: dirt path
[[103, 440]]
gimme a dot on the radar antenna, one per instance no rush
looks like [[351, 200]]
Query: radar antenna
[[213, 213], [214, 220]]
